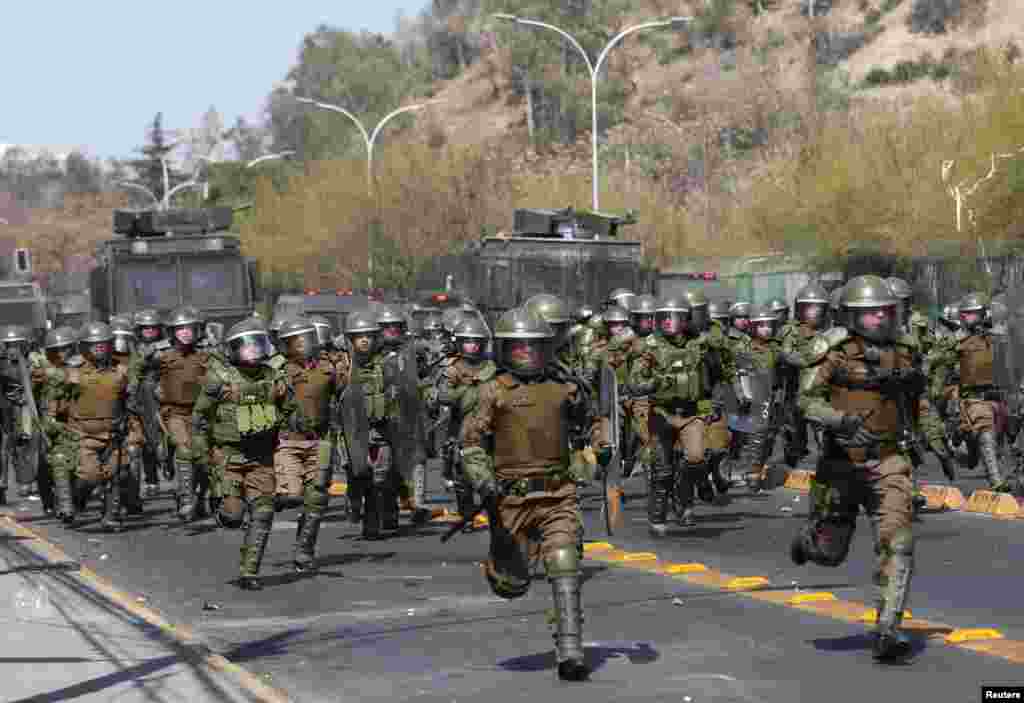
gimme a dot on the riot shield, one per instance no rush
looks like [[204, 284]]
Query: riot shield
[[754, 383], [611, 408], [355, 428], [1007, 364], [25, 449], [401, 377]]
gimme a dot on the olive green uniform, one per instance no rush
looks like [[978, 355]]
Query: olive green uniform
[[235, 422]]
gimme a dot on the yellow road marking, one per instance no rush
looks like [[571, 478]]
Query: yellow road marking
[[640, 556], [183, 635], [983, 640]]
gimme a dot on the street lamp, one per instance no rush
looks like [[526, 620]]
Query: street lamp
[[144, 189], [595, 68], [370, 138], [250, 164]]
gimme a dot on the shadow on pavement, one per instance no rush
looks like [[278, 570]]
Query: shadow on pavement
[[595, 656]]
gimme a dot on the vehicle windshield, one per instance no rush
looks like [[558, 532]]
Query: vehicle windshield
[[148, 284], [26, 313], [17, 292], [214, 283]]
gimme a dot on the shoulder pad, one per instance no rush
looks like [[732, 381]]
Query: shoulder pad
[[835, 336], [961, 334], [650, 341], [908, 340], [821, 344], [77, 361], [487, 372], [277, 362]]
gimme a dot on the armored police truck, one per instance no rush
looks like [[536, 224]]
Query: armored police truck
[[165, 258], [21, 299]]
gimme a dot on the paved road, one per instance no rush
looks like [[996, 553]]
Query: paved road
[[411, 619]]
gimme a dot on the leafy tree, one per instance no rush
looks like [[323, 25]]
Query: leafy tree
[[81, 175], [156, 151]]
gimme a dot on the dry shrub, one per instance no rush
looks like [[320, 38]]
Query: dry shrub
[[74, 229]]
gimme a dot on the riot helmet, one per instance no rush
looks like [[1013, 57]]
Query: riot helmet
[[275, 325], [616, 321], [524, 343], [471, 337], [555, 312], [148, 327], [642, 314], [431, 327], [122, 319], [393, 325], [96, 342], [185, 327], [124, 335], [420, 313], [248, 343], [698, 303], [739, 315], [903, 292], [362, 331], [974, 308], [623, 297], [299, 338], [718, 310], [780, 308], [583, 314], [868, 307], [673, 317], [833, 305], [811, 304], [950, 318], [324, 332], [451, 319], [16, 338], [60, 344], [764, 322]]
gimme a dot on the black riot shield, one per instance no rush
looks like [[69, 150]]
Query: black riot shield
[[401, 377], [755, 383], [609, 407], [1007, 363], [354, 419], [25, 448]]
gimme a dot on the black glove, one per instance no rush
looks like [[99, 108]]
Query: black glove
[[604, 456], [744, 406], [487, 489], [717, 408], [852, 434]]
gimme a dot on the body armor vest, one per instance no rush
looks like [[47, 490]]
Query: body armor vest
[[976, 361], [98, 392], [313, 388], [380, 405], [181, 377], [528, 426], [248, 410], [856, 386], [687, 369]]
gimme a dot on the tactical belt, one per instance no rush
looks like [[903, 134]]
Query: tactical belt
[[685, 408], [983, 392], [299, 436], [523, 486], [860, 455]]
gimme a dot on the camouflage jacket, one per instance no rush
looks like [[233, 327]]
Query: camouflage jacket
[[316, 384], [945, 362], [459, 384], [795, 342]]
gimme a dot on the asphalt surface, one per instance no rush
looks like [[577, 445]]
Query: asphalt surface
[[408, 618]]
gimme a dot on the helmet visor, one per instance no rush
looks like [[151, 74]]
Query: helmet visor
[[812, 314], [392, 332], [671, 323], [251, 348], [302, 346], [123, 343], [185, 335], [879, 323], [643, 323], [525, 356]]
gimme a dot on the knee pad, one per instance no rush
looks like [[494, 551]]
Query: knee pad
[[231, 513], [901, 542], [562, 561]]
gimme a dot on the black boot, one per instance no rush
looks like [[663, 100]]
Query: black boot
[[112, 512], [890, 643], [307, 532], [721, 483], [255, 544], [354, 494], [370, 513], [64, 500], [659, 482], [569, 628], [987, 448], [387, 506], [684, 492]]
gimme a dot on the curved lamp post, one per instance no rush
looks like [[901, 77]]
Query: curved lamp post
[[369, 138], [595, 69]]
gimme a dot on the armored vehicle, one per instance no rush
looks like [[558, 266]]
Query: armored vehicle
[[335, 306], [161, 259], [576, 255], [21, 299]]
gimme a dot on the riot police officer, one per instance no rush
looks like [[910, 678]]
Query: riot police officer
[[235, 422], [809, 319], [149, 335], [525, 479], [862, 386], [755, 385]]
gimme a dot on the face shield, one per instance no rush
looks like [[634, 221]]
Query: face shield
[[150, 333], [525, 357], [98, 353], [763, 329], [124, 343], [185, 335], [643, 323], [879, 324], [812, 314], [323, 334], [617, 328], [471, 348], [742, 324], [673, 323], [303, 346], [362, 342], [251, 349], [971, 319], [58, 356], [392, 332]]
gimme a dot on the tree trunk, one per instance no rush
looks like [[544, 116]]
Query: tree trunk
[[530, 126]]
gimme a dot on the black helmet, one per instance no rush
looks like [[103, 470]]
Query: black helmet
[[811, 303], [780, 308], [299, 337], [124, 335], [248, 342], [673, 316], [866, 296], [324, 332], [185, 318], [974, 308], [472, 336], [698, 302], [950, 316], [524, 342], [641, 315], [96, 338], [148, 326], [764, 321], [15, 334]]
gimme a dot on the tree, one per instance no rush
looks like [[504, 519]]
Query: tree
[[247, 139], [81, 175], [156, 151]]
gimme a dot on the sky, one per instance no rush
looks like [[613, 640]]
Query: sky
[[92, 75]]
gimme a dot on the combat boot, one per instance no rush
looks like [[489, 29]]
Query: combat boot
[[370, 512], [186, 492], [890, 643], [65, 504], [354, 494], [722, 484], [659, 482], [420, 513], [112, 508], [255, 544], [990, 458], [387, 506], [569, 628], [306, 534], [685, 478]]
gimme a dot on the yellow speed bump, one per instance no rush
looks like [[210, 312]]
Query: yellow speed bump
[[871, 615], [992, 503], [597, 547], [338, 488], [943, 497], [685, 568], [816, 597], [639, 556], [741, 582], [799, 479], [972, 634], [480, 521]]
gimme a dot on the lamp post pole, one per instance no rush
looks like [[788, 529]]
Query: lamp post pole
[[595, 70], [369, 138]]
